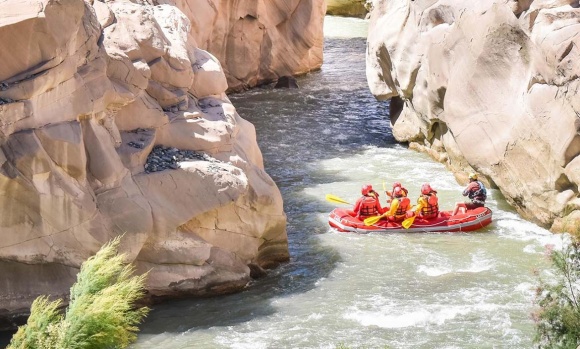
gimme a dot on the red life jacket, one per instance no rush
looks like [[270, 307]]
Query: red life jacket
[[368, 207], [404, 203], [432, 209]]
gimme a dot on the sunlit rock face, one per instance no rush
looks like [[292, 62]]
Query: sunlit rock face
[[349, 8], [114, 121], [488, 85], [257, 41]]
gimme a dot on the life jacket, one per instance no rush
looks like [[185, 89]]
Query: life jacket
[[404, 203], [479, 195], [368, 207], [432, 208]]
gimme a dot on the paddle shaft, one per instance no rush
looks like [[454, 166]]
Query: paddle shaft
[[336, 199]]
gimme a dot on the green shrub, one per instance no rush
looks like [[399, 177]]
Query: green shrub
[[100, 313], [558, 318]]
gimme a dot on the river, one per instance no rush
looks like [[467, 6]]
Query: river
[[447, 290], [398, 291]]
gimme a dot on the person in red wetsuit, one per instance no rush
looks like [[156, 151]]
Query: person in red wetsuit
[[477, 194], [399, 206], [367, 205], [427, 203]]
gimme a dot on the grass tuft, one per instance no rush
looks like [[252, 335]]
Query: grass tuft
[[101, 312]]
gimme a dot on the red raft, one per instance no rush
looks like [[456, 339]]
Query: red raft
[[475, 219]]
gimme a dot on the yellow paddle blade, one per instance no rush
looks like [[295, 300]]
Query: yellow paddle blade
[[408, 222], [336, 199], [372, 220]]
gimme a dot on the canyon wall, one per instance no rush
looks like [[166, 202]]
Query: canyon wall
[[257, 41], [114, 120], [488, 86]]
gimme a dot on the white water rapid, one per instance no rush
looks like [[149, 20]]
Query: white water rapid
[[446, 290]]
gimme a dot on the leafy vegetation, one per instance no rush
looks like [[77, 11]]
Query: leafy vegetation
[[101, 312], [558, 318]]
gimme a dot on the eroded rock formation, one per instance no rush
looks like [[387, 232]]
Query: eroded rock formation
[[490, 85], [114, 120], [257, 41]]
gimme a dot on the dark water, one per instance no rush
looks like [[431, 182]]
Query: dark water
[[331, 117], [5, 338]]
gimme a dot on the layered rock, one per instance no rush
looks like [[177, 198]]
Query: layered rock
[[92, 97], [487, 85], [257, 41], [348, 8]]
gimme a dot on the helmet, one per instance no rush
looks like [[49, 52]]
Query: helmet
[[366, 189], [397, 192], [397, 184], [473, 176], [426, 189]]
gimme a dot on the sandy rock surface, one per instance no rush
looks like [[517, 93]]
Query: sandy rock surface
[[487, 85], [114, 120], [257, 41]]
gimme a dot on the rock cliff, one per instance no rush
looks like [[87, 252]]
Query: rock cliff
[[257, 41], [114, 120], [489, 85]]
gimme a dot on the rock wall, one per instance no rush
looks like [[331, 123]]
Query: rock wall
[[113, 120], [257, 41], [348, 8], [489, 85]]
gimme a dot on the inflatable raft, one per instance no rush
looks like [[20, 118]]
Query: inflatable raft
[[341, 220]]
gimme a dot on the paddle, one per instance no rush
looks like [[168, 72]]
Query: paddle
[[408, 222], [372, 220], [336, 199]]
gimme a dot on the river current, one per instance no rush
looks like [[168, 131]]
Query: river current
[[444, 290]]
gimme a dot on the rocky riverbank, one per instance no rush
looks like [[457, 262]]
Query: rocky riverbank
[[487, 86], [114, 120]]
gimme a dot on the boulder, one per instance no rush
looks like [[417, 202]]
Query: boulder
[[286, 82], [252, 38], [88, 94]]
